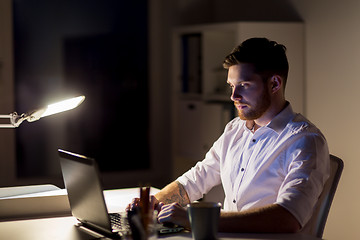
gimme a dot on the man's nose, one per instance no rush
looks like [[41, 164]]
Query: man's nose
[[235, 95]]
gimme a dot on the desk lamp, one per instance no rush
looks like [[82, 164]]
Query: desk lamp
[[65, 105]]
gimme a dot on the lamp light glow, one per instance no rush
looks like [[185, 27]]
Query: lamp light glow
[[35, 115], [63, 106]]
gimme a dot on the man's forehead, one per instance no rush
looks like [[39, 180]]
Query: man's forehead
[[242, 71]]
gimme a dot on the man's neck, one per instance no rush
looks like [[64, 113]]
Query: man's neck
[[267, 117]]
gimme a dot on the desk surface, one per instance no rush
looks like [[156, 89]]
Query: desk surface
[[63, 228]]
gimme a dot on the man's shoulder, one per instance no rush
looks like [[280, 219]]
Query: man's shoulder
[[301, 125]]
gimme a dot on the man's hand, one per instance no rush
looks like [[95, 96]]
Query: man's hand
[[174, 192], [174, 213], [154, 204]]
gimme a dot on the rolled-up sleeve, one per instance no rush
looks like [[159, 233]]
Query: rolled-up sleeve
[[203, 176], [308, 164]]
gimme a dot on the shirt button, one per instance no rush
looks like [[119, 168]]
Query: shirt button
[[254, 140], [234, 201], [242, 169]]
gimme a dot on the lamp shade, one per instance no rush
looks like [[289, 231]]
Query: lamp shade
[[35, 115]]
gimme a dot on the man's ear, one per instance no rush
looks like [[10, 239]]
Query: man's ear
[[275, 83]]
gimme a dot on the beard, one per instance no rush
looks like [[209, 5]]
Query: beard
[[256, 110]]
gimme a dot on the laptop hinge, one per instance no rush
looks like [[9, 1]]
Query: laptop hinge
[[99, 230]]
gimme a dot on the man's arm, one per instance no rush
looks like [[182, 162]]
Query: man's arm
[[271, 219], [174, 192]]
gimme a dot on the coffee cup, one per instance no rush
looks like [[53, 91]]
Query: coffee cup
[[204, 219]]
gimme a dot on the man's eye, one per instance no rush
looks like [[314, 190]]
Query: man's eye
[[242, 85]]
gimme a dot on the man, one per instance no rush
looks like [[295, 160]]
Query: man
[[271, 162]]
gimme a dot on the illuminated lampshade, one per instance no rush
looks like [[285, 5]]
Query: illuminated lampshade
[[65, 105]]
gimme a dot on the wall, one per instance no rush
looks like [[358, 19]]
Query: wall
[[7, 136], [332, 62]]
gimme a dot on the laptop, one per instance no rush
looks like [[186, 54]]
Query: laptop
[[86, 198]]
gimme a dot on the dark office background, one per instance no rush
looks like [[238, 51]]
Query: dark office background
[[96, 48], [99, 48]]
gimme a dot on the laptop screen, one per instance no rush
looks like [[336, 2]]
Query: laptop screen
[[85, 193]]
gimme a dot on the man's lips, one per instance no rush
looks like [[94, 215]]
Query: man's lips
[[240, 105]]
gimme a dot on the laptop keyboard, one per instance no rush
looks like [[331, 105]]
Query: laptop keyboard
[[119, 222]]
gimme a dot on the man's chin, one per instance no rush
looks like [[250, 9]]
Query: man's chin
[[243, 116], [247, 116]]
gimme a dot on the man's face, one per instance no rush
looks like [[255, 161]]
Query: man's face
[[250, 95]]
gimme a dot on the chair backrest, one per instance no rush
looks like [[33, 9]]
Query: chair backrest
[[316, 224]]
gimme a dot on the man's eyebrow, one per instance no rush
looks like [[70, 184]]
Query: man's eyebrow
[[239, 81]]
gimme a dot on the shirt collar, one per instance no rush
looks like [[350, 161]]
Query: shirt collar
[[280, 121]]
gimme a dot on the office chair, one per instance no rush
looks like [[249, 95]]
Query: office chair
[[317, 222]]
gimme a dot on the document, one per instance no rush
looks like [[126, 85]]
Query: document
[[33, 202]]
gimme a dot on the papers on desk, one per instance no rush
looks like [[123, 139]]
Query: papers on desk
[[50, 201], [33, 202], [117, 200]]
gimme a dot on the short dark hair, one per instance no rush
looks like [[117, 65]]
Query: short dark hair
[[268, 57]]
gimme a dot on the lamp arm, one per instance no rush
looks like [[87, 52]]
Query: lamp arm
[[32, 116], [16, 119]]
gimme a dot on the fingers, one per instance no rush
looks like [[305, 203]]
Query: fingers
[[174, 213], [134, 204], [165, 214], [154, 204], [160, 205], [168, 213]]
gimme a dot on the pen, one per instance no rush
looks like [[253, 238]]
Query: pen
[[144, 205]]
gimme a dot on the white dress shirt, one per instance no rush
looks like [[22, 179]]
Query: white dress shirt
[[285, 162]]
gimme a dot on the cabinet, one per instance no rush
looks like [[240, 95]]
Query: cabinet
[[201, 104]]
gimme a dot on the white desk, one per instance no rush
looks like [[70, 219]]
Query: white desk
[[62, 228]]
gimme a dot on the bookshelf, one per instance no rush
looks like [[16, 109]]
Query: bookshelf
[[201, 104]]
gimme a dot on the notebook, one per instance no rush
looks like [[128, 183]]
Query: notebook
[[86, 198]]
